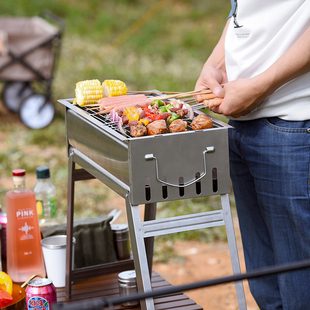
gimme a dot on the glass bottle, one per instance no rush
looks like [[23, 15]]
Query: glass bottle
[[24, 251], [3, 222], [45, 193]]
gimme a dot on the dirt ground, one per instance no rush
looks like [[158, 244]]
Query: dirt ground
[[202, 261]]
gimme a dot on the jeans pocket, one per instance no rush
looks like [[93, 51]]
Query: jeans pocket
[[293, 139], [288, 126]]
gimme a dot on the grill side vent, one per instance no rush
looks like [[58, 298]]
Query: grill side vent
[[181, 188], [165, 188], [198, 184], [214, 180], [147, 188]]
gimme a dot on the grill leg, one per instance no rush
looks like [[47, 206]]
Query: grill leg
[[149, 214], [70, 212], [233, 250], [139, 254]]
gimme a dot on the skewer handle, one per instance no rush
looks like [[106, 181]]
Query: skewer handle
[[213, 102]]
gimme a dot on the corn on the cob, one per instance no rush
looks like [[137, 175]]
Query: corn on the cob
[[114, 88], [88, 92]]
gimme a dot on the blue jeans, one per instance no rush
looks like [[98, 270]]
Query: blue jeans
[[270, 172]]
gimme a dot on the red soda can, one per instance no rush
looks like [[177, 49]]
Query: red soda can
[[40, 294]]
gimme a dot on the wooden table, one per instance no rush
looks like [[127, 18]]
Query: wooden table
[[107, 286]]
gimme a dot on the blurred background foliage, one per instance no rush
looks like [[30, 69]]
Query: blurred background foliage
[[149, 44], [165, 49]]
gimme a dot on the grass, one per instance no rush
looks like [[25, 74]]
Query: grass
[[115, 39]]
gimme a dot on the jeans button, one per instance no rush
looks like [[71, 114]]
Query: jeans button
[[308, 130]]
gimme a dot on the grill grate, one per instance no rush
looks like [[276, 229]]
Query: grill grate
[[105, 119]]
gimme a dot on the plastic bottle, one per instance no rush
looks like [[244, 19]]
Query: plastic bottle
[[45, 192], [24, 251]]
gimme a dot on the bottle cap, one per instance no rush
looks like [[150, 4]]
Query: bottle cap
[[43, 172], [19, 176], [19, 172]]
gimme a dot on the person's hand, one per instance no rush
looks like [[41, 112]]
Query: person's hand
[[212, 78], [240, 97]]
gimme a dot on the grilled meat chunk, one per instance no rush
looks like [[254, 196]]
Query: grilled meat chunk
[[157, 127], [178, 125], [165, 115], [125, 119], [138, 130], [202, 122], [132, 123]]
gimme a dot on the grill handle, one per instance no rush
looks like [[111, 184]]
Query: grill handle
[[209, 149]]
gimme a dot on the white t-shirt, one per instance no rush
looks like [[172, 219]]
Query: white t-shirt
[[270, 27]]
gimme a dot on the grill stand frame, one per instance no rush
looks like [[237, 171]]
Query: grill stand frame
[[90, 171], [141, 233]]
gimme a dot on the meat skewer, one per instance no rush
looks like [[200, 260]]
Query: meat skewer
[[123, 103], [109, 104], [110, 101], [201, 98], [140, 103], [212, 103], [164, 97]]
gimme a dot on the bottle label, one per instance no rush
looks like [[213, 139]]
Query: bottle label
[[53, 207], [40, 208], [22, 215], [25, 229]]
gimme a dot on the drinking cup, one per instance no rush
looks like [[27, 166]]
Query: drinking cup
[[54, 252]]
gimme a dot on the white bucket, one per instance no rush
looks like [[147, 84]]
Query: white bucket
[[54, 252]]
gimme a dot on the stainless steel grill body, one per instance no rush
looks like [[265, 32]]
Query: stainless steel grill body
[[156, 168], [147, 170]]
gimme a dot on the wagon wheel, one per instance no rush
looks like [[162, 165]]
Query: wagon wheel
[[36, 111], [13, 94]]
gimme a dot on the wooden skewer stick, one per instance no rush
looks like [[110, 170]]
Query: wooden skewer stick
[[94, 108], [152, 92], [183, 95], [91, 105], [103, 112]]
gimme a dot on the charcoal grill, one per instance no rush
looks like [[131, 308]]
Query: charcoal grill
[[146, 170]]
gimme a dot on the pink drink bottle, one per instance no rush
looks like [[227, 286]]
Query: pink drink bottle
[[24, 252]]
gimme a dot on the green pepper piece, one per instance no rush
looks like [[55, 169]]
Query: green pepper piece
[[169, 106], [162, 109], [158, 102], [173, 117]]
